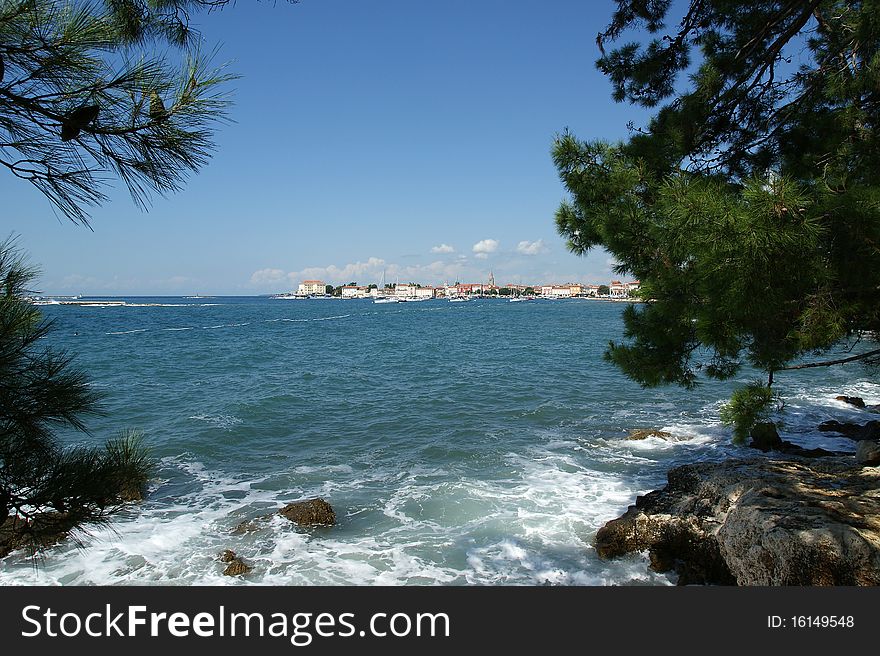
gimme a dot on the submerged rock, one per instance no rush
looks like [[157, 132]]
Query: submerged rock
[[251, 525], [758, 522], [868, 431], [644, 433], [844, 428], [313, 512], [857, 401], [766, 438]]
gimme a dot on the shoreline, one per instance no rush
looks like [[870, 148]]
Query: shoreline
[[790, 517]]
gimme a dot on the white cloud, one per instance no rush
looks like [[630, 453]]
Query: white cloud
[[279, 280], [267, 276], [531, 247], [483, 248], [359, 272], [443, 248], [440, 271], [77, 281], [610, 265]]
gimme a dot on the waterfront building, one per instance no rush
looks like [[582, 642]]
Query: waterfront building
[[555, 291], [619, 289], [311, 287], [469, 288], [354, 291], [405, 290]]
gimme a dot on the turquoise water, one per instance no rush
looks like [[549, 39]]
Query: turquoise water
[[459, 443]]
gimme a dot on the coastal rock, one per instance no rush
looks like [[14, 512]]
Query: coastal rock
[[313, 512], [765, 437], [132, 494], [43, 531], [868, 453], [852, 400], [644, 433], [236, 566], [844, 428], [790, 449], [758, 522], [10, 536], [868, 431]]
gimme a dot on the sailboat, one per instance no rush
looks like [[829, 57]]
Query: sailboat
[[384, 299], [458, 297]]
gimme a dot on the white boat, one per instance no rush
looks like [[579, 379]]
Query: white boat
[[382, 298], [289, 296], [459, 299]]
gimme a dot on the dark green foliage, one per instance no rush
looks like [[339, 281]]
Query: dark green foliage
[[129, 464], [748, 406], [45, 488], [749, 207]]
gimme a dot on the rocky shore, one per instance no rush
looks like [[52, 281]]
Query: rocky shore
[[792, 517], [310, 513]]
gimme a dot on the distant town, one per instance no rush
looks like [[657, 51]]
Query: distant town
[[459, 291]]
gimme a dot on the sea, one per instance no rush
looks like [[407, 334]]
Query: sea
[[459, 443]]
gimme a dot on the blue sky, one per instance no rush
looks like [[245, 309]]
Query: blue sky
[[399, 136]]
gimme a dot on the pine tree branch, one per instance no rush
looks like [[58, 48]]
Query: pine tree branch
[[828, 363]]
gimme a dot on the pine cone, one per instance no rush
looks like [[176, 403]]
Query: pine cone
[[77, 120], [157, 107]]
